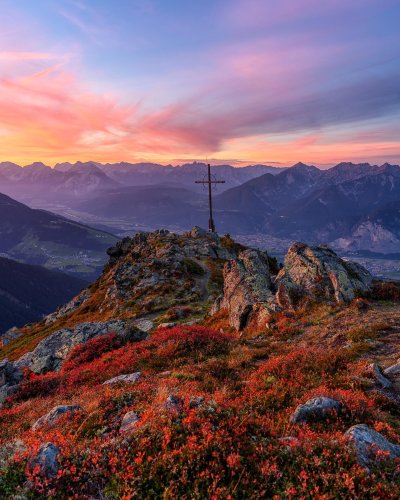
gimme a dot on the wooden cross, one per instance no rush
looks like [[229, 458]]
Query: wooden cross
[[210, 182]]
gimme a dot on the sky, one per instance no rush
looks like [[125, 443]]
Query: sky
[[232, 81]]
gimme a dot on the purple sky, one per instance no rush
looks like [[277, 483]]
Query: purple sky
[[246, 80]]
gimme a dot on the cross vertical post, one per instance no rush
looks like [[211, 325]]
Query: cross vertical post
[[210, 182]]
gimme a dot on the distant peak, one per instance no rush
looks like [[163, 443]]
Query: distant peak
[[37, 164]]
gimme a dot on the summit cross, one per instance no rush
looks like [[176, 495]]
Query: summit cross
[[210, 182]]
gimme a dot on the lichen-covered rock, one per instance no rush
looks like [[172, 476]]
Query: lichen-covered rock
[[393, 370], [54, 415], [316, 409], [50, 353], [248, 289], [46, 460], [369, 444], [317, 273], [129, 422], [130, 378], [10, 377]]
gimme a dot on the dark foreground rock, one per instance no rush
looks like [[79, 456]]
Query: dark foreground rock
[[46, 460], [10, 377]]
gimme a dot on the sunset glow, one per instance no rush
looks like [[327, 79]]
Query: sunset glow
[[241, 80]]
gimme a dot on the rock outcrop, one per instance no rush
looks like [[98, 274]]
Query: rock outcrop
[[318, 273], [252, 291], [54, 415], [369, 444], [10, 377], [54, 349], [248, 289]]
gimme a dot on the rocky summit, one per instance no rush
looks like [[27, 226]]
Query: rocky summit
[[196, 367]]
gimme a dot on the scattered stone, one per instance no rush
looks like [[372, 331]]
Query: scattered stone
[[129, 422], [46, 459], [377, 374], [316, 409], [166, 325], [393, 370], [130, 378], [368, 443], [51, 352], [54, 415], [174, 404], [196, 402]]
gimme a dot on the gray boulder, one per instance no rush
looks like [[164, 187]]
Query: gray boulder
[[315, 410], [51, 352], [10, 335], [174, 404], [317, 273], [54, 415], [368, 443], [393, 370], [198, 232], [377, 374], [130, 378], [10, 378], [46, 460], [248, 291], [129, 422]]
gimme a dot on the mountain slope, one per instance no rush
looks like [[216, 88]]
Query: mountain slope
[[39, 237], [29, 292], [289, 408]]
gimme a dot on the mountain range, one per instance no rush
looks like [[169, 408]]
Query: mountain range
[[68, 182], [27, 292], [354, 207]]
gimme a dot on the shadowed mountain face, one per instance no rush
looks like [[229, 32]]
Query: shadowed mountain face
[[40, 237], [28, 292]]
